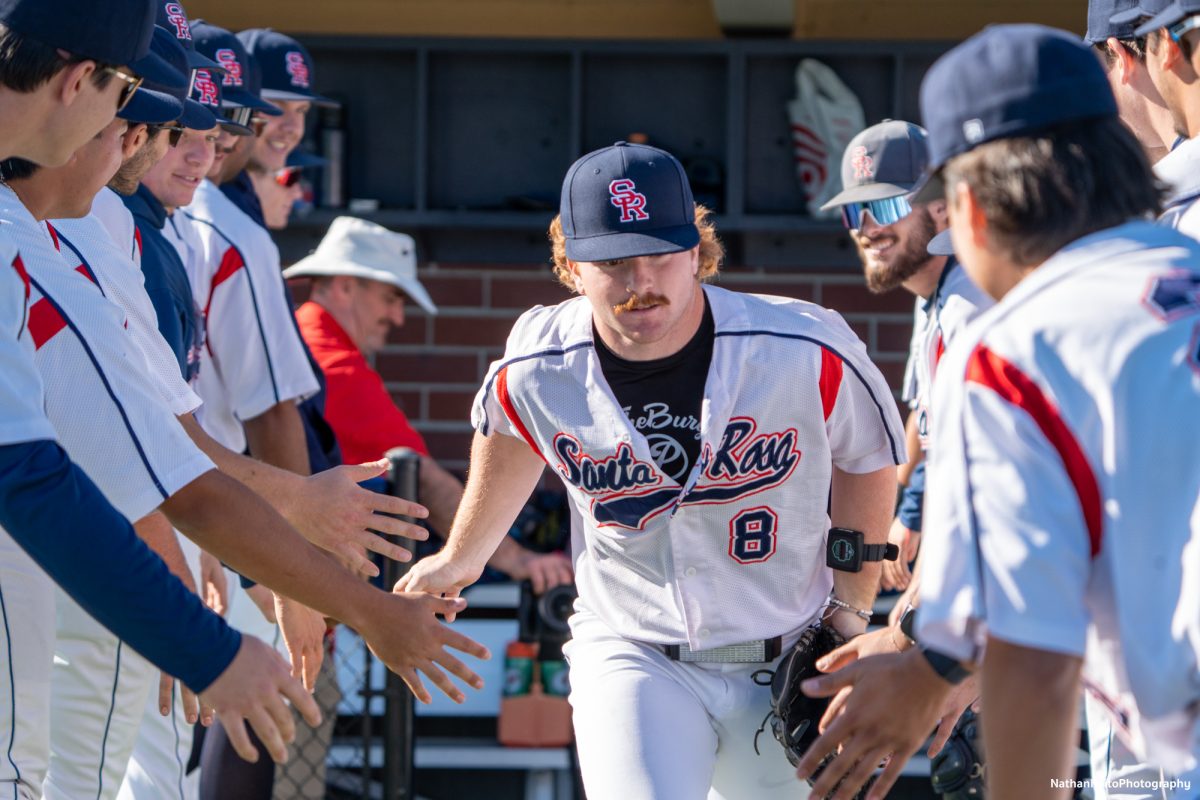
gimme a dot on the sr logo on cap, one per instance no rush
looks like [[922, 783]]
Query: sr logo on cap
[[631, 202], [864, 165], [178, 19], [297, 68], [205, 89], [233, 70]]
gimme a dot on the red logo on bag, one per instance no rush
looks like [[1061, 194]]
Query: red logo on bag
[[178, 19], [626, 197], [297, 67], [233, 70], [864, 165], [205, 89]]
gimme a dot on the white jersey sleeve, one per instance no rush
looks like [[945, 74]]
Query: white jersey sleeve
[[255, 357], [95, 379], [109, 210], [22, 418], [85, 241], [1011, 508]]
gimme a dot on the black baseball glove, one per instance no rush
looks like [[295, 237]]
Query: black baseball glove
[[794, 716], [958, 771]]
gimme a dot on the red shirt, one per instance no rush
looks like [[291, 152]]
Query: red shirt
[[357, 406]]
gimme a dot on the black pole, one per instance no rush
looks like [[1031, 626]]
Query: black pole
[[404, 469]]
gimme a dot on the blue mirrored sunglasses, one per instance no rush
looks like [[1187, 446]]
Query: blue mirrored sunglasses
[[884, 212]]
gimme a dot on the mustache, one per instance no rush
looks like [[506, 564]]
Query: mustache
[[636, 302]]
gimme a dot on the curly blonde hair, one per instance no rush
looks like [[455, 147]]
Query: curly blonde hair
[[712, 252]]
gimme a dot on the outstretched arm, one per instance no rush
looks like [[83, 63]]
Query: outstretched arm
[[503, 473], [861, 502]]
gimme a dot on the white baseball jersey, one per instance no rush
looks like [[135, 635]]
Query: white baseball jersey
[[1066, 517], [22, 416], [953, 304], [737, 552], [95, 379], [87, 241], [255, 358], [1180, 170], [109, 209]]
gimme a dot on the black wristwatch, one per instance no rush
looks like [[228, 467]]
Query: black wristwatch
[[948, 668], [845, 551]]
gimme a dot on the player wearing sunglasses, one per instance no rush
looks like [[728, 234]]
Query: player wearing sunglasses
[[880, 169]]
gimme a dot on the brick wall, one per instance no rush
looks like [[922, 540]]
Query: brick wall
[[434, 365]]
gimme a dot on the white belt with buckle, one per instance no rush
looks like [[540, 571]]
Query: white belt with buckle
[[756, 652]]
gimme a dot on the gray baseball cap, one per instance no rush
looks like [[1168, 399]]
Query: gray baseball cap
[[885, 160]]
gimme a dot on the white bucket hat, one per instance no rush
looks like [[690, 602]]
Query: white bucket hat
[[364, 249]]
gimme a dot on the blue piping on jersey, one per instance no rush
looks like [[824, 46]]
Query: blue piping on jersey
[[175, 728], [112, 707], [107, 386], [12, 694], [561, 351], [802, 337], [262, 333], [64, 240]]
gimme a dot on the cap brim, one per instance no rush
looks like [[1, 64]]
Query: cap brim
[[866, 193], [929, 188], [316, 265], [632, 244], [229, 126], [197, 60], [1168, 16], [240, 98], [316, 99], [151, 107], [196, 116], [155, 69], [1126, 16], [941, 245]]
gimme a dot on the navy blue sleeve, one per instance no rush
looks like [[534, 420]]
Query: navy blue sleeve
[[58, 516], [912, 500]]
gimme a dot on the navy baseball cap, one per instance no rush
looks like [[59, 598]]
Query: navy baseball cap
[[155, 69], [287, 68], [114, 31], [1105, 20], [1171, 14], [885, 160], [203, 107], [1139, 12], [155, 103], [227, 50], [1004, 82], [173, 17], [625, 201]]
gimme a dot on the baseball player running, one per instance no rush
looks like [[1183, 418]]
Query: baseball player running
[[701, 435], [1053, 555]]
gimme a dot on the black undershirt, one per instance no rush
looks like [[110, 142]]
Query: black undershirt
[[663, 397]]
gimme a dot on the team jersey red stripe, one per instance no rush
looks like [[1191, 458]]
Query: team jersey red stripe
[[988, 369], [19, 266], [939, 348], [137, 239], [831, 380], [54, 237], [511, 412], [44, 322]]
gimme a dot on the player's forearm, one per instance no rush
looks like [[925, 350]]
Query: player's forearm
[[862, 503], [155, 530], [276, 437], [1023, 759], [237, 526], [277, 486], [441, 493], [504, 471], [912, 441]]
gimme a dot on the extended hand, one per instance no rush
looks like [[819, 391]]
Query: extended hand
[[439, 575], [336, 514], [543, 570], [304, 634], [885, 707], [193, 710], [873, 643], [405, 634], [896, 574], [253, 689], [214, 586]]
